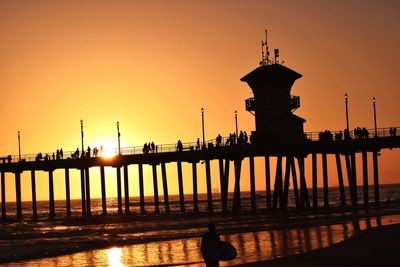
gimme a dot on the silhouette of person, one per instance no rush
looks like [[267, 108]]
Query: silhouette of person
[[210, 247], [61, 153]]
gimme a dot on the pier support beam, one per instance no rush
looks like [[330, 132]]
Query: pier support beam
[[195, 196], [165, 188], [354, 179], [51, 195], [278, 194], [18, 194], [252, 185], [119, 193], [33, 186], [103, 191], [236, 193], [226, 184], [126, 189], [88, 205], [314, 180], [340, 180], [286, 182], [67, 193], [365, 178], [295, 186], [180, 183], [3, 196], [325, 180], [303, 184], [141, 189], [376, 179], [155, 188], [349, 177], [268, 182], [209, 189], [83, 201], [222, 185]]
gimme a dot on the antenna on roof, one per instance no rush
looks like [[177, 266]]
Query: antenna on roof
[[276, 55], [265, 54], [266, 45]]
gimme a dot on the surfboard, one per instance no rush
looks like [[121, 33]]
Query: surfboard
[[228, 251]]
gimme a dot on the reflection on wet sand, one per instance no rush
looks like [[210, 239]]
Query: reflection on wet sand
[[251, 246]]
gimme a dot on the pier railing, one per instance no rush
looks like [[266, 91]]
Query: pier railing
[[325, 136]]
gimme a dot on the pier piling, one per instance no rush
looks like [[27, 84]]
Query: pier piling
[[119, 193], [155, 188], [103, 191], [180, 184], [376, 179], [295, 186], [325, 179], [268, 182], [365, 178], [18, 194], [83, 201], [88, 205], [141, 189], [33, 186], [314, 180], [126, 189], [340, 180], [165, 188], [51, 195], [195, 196], [3, 196], [209, 188], [67, 193], [252, 185], [236, 193]]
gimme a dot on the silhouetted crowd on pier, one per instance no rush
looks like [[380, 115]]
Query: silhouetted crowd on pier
[[149, 148], [393, 131]]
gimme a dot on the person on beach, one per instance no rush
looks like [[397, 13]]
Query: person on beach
[[210, 247]]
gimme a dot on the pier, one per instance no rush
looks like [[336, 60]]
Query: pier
[[278, 134]]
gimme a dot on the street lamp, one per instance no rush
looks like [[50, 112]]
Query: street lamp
[[119, 137], [82, 135], [19, 146], [373, 103], [202, 126], [236, 123], [347, 112]]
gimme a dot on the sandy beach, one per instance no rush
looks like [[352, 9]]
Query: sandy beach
[[371, 247]]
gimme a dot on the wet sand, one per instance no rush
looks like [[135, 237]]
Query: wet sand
[[372, 247], [20, 241]]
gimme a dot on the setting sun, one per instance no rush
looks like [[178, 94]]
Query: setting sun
[[107, 150]]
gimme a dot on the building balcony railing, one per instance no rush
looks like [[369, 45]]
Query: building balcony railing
[[294, 102], [250, 104]]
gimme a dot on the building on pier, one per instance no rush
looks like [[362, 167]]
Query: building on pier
[[272, 104]]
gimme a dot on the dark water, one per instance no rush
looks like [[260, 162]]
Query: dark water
[[179, 245], [391, 192], [251, 247]]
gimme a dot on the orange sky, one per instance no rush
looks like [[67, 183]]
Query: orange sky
[[152, 65]]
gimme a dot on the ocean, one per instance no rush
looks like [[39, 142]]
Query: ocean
[[175, 240], [387, 192]]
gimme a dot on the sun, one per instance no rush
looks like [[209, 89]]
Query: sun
[[107, 150]]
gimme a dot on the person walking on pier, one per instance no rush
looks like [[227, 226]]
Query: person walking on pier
[[210, 247]]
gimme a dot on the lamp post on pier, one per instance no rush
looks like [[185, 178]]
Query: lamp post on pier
[[202, 127], [375, 128], [83, 149], [236, 123], [19, 146], [119, 137]]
